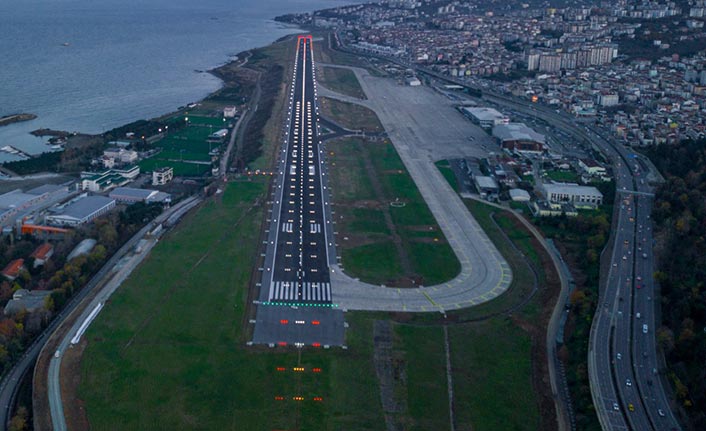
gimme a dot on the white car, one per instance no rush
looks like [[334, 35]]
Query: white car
[[644, 328]]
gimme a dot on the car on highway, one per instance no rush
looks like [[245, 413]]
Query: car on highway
[[631, 407], [615, 407], [660, 412], [644, 328], [628, 382], [619, 356]]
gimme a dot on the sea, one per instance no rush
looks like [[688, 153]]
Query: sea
[[92, 65]]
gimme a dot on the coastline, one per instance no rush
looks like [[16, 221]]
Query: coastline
[[231, 61]]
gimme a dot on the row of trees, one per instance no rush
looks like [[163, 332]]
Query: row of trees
[[680, 217], [581, 240]]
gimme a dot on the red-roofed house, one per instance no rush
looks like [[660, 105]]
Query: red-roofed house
[[42, 254], [12, 270]]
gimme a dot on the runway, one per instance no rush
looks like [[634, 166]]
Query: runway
[[295, 302]]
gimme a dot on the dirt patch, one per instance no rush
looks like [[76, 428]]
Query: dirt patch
[[391, 373], [75, 411]]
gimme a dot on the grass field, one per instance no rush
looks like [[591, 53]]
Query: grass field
[[186, 144], [387, 235], [350, 115], [563, 176], [182, 364], [168, 350], [448, 173], [342, 81], [180, 168], [492, 370]]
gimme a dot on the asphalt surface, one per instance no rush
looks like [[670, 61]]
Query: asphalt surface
[[295, 304]]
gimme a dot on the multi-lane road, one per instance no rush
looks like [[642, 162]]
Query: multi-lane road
[[623, 367], [295, 304]]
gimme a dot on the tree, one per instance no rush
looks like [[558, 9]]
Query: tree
[[19, 421]]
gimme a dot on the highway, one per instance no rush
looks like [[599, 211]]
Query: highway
[[628, 392], [295, 304], [632, 382]]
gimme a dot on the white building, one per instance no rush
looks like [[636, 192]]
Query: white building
[[121, 155], [519, 195], [106, 180], [486, 117], [579, 196], [162, 176], [487, 187], [608, 99], [229, 112], [591, 167]]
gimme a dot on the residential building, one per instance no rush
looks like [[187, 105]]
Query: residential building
[[161, 176], [27, 301], [13, 269], [591, 167], [229, 112], [42, 253]]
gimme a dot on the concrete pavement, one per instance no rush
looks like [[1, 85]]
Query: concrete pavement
[[424, 127]]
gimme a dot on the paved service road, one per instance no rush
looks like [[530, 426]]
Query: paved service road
[[295, 302], [425, 127]]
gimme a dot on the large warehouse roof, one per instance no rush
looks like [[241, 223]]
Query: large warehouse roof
[[485, 114], [517, 132], [84, 207], [15, 199]]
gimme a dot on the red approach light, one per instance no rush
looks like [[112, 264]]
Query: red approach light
[[281, 369], [316, 344], [316, 370], [318, 399], [279, 398], [282, 343], [284, 321], [315, 322]]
